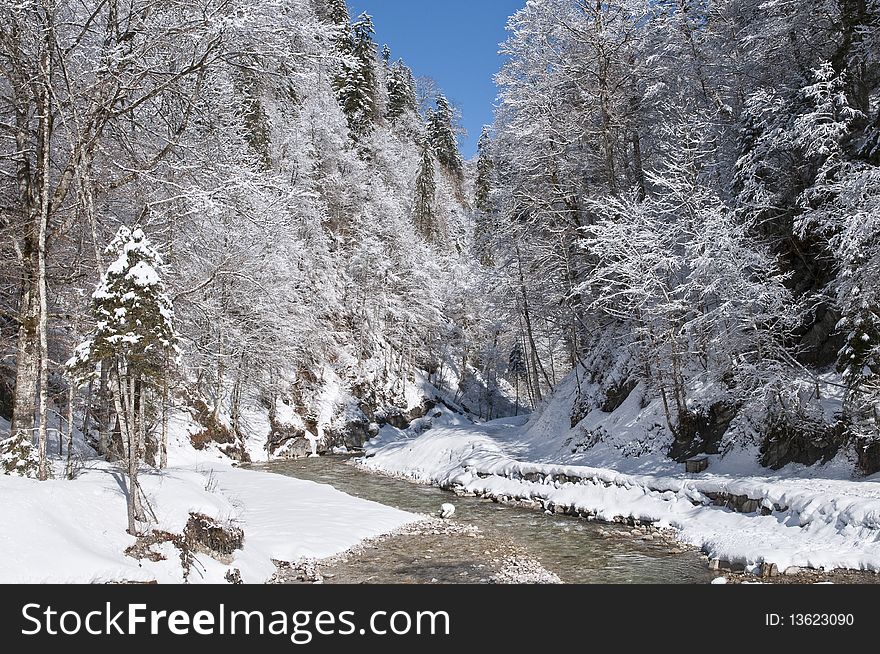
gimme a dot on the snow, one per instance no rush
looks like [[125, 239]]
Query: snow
[[74, 531], [819, 522], [143, 274], [287, 519]]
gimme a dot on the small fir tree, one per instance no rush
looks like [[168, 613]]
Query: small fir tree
[[134, 339]]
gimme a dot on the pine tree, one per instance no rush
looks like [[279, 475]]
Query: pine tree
[[516, 367], [485, 170], [386, 55], [356, 85], [424, 215], [441, 136], [860, 358], [133, 338], [484, 224], [337, 13], [401, 91]]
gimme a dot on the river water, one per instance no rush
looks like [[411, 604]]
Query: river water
[[576, 550]]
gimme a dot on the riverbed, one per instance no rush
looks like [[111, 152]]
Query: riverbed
[[492, 540]]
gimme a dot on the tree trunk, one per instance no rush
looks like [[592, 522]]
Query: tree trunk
[[104, 410], [26, 367], [43, 159], [123, 400], [125, 432], [163, 445], [530, 333], [71, 391], [27, 353], [136, 443], [639, 166], [516, 409]]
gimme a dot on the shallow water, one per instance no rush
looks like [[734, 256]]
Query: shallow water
[[571, 547]]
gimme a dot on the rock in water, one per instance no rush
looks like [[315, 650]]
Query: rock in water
[[446, 511]]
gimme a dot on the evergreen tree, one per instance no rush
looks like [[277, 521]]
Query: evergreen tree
[[386, 55], [441, 136], [484, 223], [401, 91], [18, 456], [485, 170], [133, 338], [356, 83], [424, 215], [516, 367], [337, 13]]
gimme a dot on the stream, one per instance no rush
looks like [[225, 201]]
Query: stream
[[576, 550]]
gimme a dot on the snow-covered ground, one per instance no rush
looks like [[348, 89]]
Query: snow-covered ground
[[814, 521], [74, 531]]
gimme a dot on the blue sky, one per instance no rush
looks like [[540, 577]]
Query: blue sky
[[453, 41]]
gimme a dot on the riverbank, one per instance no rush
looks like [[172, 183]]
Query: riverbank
[[214, 524], [766, 525], [432, 551]]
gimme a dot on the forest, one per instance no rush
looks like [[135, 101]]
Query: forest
[[228, 208]]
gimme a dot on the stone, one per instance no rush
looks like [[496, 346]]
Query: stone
[[208, 536], [296, 448], [791, 571], [749, 506], [769, 570]]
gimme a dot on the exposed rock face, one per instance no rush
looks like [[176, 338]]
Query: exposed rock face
[[701, 433], [215, 431], [285, 438], [352, 426], [395, 417], [295, 448], [422, 410], [868, 456], [355, 433], [617, 395], [786, 444], [822, 341]]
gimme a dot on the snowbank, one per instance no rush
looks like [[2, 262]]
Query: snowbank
[[817, 523], [62, 531]]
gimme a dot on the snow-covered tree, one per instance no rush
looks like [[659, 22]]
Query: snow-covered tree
[[19, 457], [401, 91], [441, 136], [356, 85], [424, 213], [484, 223], [134, 339]]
